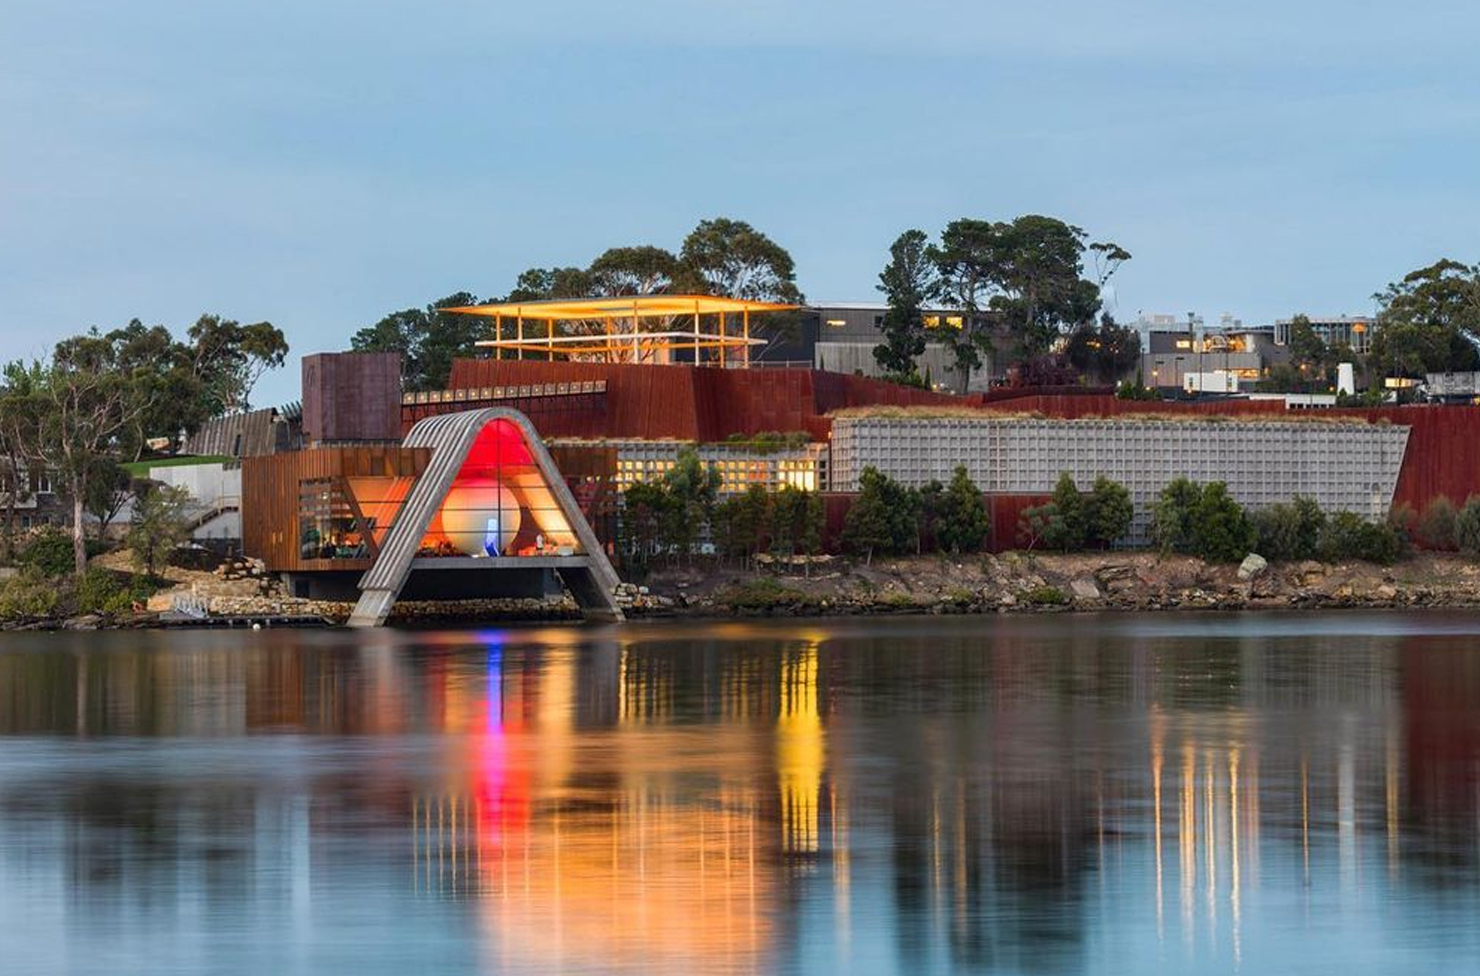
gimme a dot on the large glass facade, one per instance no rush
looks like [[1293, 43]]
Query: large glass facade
[[500, 504]]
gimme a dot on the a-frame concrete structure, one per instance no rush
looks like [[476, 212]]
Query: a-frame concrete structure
[[459, 443]]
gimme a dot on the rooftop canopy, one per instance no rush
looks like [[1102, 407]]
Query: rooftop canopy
[[633, 328]]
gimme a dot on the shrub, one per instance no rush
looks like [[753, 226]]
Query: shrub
[[102, 591], [1135, 390], [1172, 517], [49, 551], [1467, 527], [763, 593], [1046, 596], [1107, 513], [159, 525], [1220, 531], [1435, 528], [28, 594], [1349, 536], [1289, 530]]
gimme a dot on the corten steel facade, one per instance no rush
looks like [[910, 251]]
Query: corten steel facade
[[1344, 466], [352, 396]]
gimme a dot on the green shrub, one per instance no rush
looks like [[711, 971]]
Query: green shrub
[[763, 593], [1467, 527], [1349, 536], [1289, 530], [1173, 514], [28, 594], [49, 551], [1220, 530], [105, 592], [1046, 596], [1436, 526], [1108, 511]]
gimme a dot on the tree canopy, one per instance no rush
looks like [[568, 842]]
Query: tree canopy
[[428, 339], [1428, 322], [908, 282]]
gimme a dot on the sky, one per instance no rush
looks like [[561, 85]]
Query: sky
[[319, 164]]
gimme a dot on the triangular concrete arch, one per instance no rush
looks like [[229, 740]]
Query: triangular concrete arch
[[450, 437]]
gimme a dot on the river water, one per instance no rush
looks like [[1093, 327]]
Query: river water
[[1055, 794]]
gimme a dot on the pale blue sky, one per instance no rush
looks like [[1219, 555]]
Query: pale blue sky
[[320, 162]]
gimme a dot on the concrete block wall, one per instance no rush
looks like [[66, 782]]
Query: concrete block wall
[[1352, 467]]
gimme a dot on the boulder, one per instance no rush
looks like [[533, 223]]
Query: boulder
[[1084, 588], [1252, 566]]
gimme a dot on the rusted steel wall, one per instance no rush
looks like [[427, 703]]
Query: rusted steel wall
[[352, 396]]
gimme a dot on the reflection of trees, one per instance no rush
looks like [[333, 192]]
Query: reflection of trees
[[1441, 724]]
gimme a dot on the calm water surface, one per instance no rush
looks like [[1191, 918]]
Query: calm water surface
[[1198, 794]]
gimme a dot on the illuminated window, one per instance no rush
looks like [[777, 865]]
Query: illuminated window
[[955, 321], [837, 323], [1184, 343], [932, 321]]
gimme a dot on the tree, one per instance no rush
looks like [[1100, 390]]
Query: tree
[[428, 340], [1104, 352], [1108, 512], [730, 257], [67, 416], [692, 489], [109, 489], [543, 284], [962, 524], [644, 511], [908, 281], [1428, 322], [1308, 352], [1028, 273], [884, 518], [1065, 526], [1172, 517], [1220, 530], [796, 523], [742, 522], [640, 270], [160, 526], [229, 358]]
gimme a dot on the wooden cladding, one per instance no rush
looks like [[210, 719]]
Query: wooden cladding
[[271, 489]]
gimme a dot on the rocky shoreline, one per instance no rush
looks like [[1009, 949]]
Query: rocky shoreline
[[1006, 583]]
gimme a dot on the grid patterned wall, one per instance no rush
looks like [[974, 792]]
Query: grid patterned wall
[[1352, 467]]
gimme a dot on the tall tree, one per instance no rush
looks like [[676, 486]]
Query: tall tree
[[428, 339], [1308, 351], [69, 415], [1027, 273], [543, 284], [1105, 352], [639, 270], [729, 257], [908, 281], [229, 358], [1428, 322]]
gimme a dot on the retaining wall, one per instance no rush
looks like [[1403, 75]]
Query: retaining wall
[[1352, 467]]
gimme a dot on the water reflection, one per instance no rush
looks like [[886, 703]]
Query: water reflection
[[1052, 795]]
